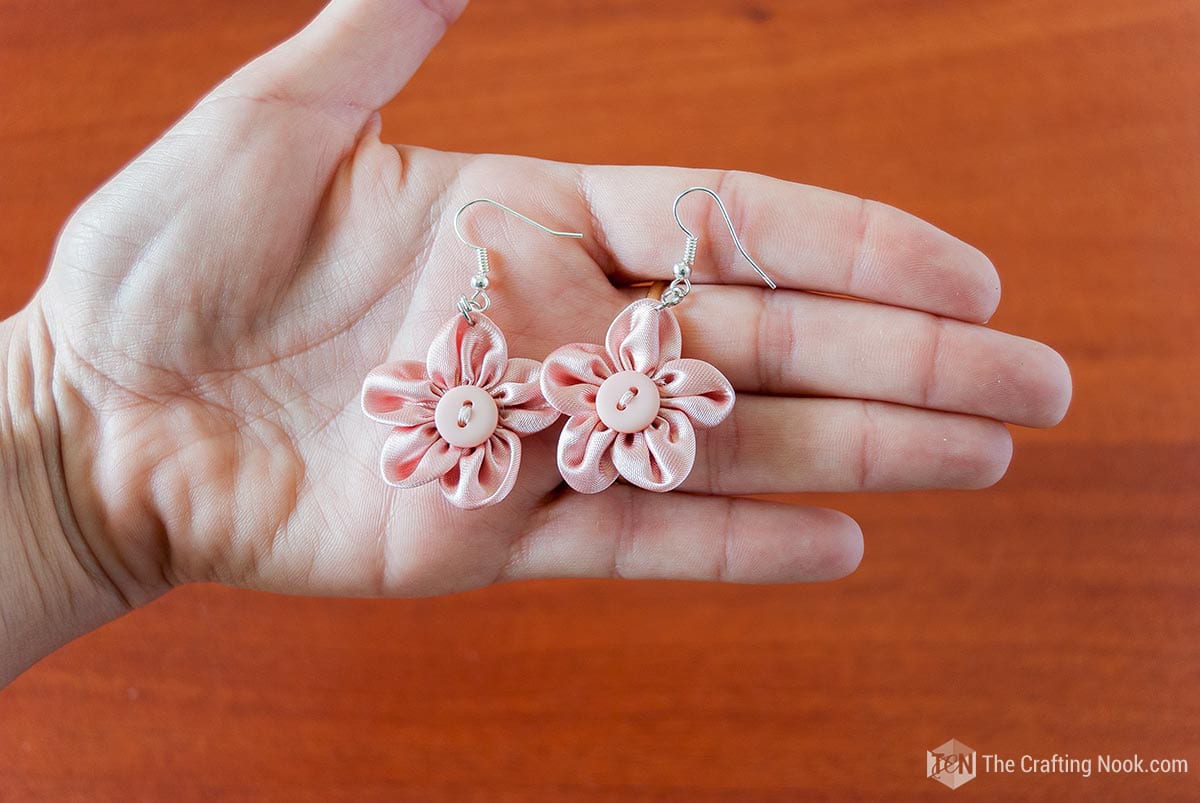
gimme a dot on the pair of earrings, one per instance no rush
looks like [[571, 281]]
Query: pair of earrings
[[632, 405]]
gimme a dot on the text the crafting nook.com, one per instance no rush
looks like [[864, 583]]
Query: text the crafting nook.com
[[1103, 763], [955, 763]]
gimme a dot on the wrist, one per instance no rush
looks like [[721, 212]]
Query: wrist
[[54, 581]]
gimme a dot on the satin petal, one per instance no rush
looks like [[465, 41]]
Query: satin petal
[[484, 475], [518, 394], [585, 454], [399, 393], [697, 389], [413, 456], [641, 337], [461, 354], [659, 457], [572, 374]]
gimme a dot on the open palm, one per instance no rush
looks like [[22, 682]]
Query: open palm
[[214, 309]]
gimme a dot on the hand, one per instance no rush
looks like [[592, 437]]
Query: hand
[[211, 313]]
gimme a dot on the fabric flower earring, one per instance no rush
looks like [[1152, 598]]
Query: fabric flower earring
[[458, 417], [634, 404]]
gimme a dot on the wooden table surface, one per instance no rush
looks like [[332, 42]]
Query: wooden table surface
[[1056, 613]]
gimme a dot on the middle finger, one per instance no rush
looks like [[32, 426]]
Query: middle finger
[[788, 342]]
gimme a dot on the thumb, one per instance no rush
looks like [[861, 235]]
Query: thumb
[[353, 58]]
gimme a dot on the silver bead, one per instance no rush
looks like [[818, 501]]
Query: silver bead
[[479, 282], [682, 271]]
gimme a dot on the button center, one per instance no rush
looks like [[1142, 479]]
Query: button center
[[627, 401], [466, 416]]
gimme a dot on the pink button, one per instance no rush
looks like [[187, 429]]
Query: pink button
[[627, 401], [466, 416]]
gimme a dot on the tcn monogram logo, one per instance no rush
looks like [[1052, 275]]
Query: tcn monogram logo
[[952, 764]]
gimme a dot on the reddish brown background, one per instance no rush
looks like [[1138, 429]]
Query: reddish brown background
[[1058, 612]]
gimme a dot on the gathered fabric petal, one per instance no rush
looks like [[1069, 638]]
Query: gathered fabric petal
[[643, 337], [462, 354], [416, 455], [520, 384], [485, 474], [661, 456], [572, 375], [585, 454], [697, 389], [399, 393], [518, 394], [528, 420]]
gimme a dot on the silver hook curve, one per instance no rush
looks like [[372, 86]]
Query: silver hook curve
[[458, 229], [692, 238], [479, 301]]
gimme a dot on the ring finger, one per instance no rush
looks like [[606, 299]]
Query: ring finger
[[781, 445]]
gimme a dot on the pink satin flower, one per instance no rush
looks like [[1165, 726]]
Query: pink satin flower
[[406, 394], [691, 395]]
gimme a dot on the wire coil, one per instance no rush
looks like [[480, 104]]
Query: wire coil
[[689, 250]]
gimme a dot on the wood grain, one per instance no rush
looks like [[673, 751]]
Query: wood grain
[[1058, 612]]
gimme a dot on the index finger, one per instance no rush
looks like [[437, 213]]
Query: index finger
[[804, 237]]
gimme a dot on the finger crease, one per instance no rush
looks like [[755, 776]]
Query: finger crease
[[626, 532], [931, 380], [868, 449], [727, 528], [597, 246], [862, 224]]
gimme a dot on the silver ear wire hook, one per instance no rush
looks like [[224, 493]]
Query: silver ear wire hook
[[479, 300], [681, 285]]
